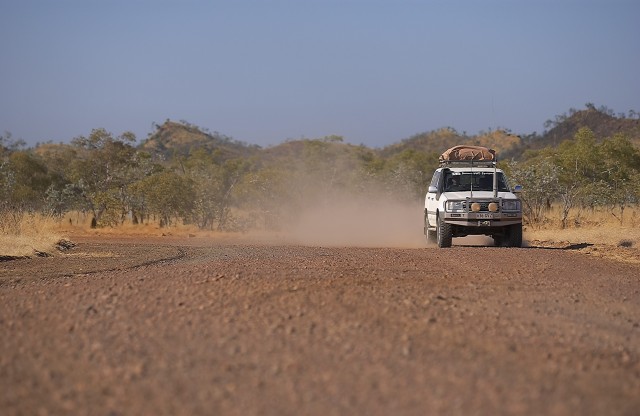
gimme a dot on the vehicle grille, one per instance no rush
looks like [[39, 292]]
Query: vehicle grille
[[484, 205]]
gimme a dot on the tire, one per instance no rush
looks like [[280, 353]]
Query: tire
[[429, 234], [515, 235], [443, 234]]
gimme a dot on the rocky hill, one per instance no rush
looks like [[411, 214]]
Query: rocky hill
[[180, 138], [437, 141], [173, 139], [603, 122]]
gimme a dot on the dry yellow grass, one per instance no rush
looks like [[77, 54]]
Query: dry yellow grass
[[614, 235], [78, 224], [27, 234], [597, 226], [595, 233]]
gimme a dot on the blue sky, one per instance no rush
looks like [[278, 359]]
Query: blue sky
[[374, 71]]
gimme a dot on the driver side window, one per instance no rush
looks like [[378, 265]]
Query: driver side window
[[452, 183], [435, 179]]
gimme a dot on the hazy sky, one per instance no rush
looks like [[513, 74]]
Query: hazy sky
[[263, 71]]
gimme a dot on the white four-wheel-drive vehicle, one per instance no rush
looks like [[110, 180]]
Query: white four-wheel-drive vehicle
[[469, 195]]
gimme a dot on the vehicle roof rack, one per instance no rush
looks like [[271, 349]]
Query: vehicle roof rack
[[467, 163], [468, 156]]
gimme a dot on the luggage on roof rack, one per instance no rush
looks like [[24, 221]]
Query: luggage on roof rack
[[472, 155]]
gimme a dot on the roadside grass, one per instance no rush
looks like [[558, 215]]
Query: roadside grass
[[612, 235], [79, 224], [24, 234], [598, 226]]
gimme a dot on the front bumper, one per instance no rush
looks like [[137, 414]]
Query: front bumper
[[483, 219]]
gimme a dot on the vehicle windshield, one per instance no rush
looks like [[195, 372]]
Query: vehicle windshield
[[480, 181]]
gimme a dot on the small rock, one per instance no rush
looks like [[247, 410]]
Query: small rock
[[65, 245]]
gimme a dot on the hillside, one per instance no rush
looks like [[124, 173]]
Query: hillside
[[438, 141], [601, 121], [179, 139]]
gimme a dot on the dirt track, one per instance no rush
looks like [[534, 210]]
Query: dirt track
[[197, 326]]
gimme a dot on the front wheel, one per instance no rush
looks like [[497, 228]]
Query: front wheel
[[515, 235], [444, 233], [430, 234]]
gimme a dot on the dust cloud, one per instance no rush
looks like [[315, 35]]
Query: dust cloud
[[358, 221]]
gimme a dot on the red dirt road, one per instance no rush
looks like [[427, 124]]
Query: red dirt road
[[199, 326]]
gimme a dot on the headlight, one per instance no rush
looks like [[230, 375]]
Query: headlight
[[511, 205], [455, 206]]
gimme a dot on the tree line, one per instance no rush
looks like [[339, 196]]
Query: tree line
[[111, 179], [584, 173]]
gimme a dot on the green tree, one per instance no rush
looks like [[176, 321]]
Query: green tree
[[31, 180], [621, 173], [167, 194], [539, 177], [266, 195], [408, 173], [101, 172], [579, 163], [214, 184]]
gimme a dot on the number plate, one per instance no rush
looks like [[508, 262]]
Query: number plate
[[484, 223], [484, 215]]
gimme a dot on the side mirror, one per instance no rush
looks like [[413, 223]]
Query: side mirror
[[517, 189], [432, 190]]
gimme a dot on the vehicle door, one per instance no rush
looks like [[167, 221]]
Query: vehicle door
[[432, 197]]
